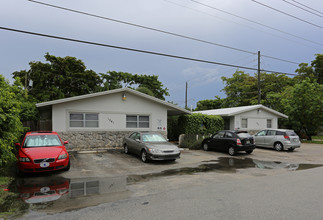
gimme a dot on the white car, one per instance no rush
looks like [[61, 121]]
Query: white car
[[279, 139]]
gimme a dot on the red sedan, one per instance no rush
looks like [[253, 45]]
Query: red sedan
[[42, 151]]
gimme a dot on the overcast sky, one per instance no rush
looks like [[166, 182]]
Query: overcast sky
[[293, 40]]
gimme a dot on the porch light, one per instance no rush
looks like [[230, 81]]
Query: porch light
[[124, 97]]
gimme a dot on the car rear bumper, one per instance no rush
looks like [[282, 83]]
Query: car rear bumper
[[245, 147], [163, 156]]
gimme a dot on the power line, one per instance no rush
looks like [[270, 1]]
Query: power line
[[307, 6], [282, 12], [255, 22], [138, 50], [304, 9], [161, 31]]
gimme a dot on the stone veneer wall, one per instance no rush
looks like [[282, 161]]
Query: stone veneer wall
[[93, 140]]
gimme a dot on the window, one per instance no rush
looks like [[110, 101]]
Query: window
[[244, 123], [81, 120], [228, 135], [219, 134], [271, 133], [137, 121], [269, 123]]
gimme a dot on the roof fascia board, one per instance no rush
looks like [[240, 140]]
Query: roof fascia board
[[76, 98]]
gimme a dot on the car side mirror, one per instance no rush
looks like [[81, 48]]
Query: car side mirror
[[17, 144], [138, 140], [65, 142]]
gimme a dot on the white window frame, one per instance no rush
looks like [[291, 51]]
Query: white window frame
[[138, 122], [271, 123], [84, 120], [244, 125]]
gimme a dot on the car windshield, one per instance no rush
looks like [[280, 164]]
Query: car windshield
[[153, 138], [42, 141]]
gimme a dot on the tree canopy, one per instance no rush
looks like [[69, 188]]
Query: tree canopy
[[303, 103], [314, 70], [63, 77]]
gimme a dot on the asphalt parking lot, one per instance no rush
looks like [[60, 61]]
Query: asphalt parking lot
[[114, 162], [109, 176]]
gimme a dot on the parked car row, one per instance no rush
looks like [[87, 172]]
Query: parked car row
[[45, 151]]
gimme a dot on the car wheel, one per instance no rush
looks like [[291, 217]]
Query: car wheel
[[144, 156], [291, 149], [278, 146], [231, 151], [205, 147], [125, 149], [249, 151]]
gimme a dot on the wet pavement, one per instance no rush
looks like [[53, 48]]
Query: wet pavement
[[53, 193], [112, 176]]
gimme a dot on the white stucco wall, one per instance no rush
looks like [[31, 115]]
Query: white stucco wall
[[112, 112], [257, 120]]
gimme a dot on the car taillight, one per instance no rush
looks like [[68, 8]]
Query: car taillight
[[239, 142], [286, 137]]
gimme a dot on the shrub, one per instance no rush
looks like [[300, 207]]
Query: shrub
[[198, 123]]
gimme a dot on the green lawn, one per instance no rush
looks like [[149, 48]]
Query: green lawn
[[315, 140]]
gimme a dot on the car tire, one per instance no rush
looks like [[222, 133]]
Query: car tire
[[231, 151], [249, 151], [205, 147], [291, 149], [125, 149], [144, 156], [278, 146]]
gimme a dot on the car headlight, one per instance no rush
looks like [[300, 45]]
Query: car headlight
[[24, 159], [155, 151], [62, 156]]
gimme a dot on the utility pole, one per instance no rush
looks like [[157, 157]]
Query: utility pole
[[259, 88], [186, 96]]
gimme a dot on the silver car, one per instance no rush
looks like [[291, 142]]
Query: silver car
[[278, 139], [150, 146]]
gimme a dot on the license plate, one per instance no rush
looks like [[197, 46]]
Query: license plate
[[44, 164], [247, 142]]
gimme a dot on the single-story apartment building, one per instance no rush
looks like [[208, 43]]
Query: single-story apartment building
[[251, 118], [101, 120]]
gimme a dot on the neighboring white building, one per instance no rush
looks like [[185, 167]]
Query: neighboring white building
[[109, 113], [250, 118]]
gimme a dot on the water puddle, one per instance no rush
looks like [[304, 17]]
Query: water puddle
[[53, 193], [58, 194], [223, 165]]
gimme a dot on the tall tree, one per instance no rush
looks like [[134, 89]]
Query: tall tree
[[61, 77], [148, 84], [314, 70], [303, 104], [10, 125], [241, 89]]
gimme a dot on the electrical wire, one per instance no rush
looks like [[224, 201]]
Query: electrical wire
[[138, 50], [307, 6], [304, 9], [255, 22], [282, 12], [161, 31]]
